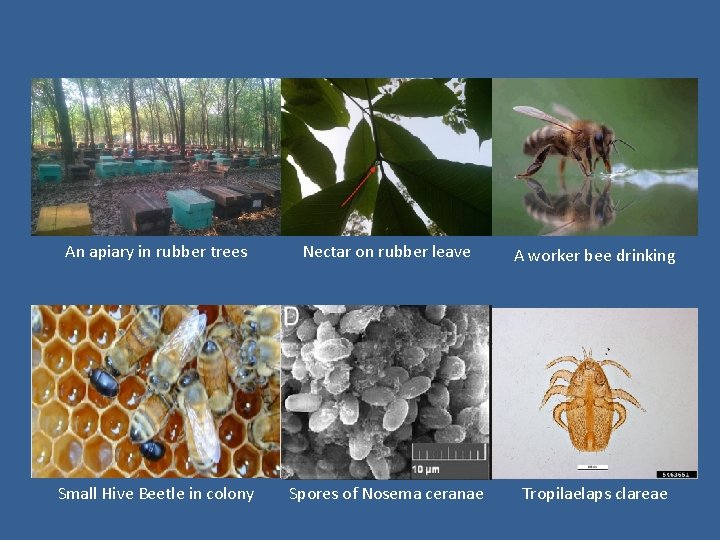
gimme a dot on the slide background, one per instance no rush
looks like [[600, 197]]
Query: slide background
[[323, 38]]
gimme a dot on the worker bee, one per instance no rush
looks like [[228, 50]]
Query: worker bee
[[578, 211], [179, 348], [580, 140], [173, 316], [265, 429], [236, 313], [137, 341], [213, 372], [261, 321], [150, 417], [36, 320], [202, 438], [263, 354]]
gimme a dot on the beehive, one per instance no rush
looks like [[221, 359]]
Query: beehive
[[78, 433]]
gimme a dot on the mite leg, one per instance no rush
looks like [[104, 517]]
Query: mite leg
[[627, 396], [622, 414], [563, 374], [615, 364], [536, 165], [564, 359], [552, 391], [557, 412]]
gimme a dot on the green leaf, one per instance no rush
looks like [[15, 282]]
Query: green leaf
[[398, 144], [359, 156], [478, 104], [315, 101], [456, 196], [393, 214], [418, 97], [356, 87], [320, 214], [290, 185], [313, 157]]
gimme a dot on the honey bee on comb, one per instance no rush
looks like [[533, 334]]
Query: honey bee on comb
[[87, 423]]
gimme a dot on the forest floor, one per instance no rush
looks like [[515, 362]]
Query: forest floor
[[103, 194]]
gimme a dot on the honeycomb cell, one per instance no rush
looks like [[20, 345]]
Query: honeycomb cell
[[144, 366], [232, 431], [118, 312], [98, 454], [43, 386], [52, 472], [211, 312], [34, 413], [53, 419], [127, 456], [48, 330], [35, 354], [114, 423], [87, 356], [82, 472], [142, 473], [71, 389], [88, 310], [160, 466], [182, 460], [271, 464], [84, 420], [98, 400], [58, 356], [58, 309], [223, 466], [41, 451], [102, 331], [173, 431], [72, 327], [246, 461], [68, 452], [132, 390], [170, 474], [112, 473], [248, 405]]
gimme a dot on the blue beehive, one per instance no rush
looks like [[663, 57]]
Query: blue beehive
[[190, 209], [162, 166], [49, 172], [107, 159], [127, 168], [223, 161], [105, 169], [144, 166]]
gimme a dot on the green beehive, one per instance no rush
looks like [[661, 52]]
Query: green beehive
[[104, 169], [49, 172], [144, 166], [162, 166], [190, 209]]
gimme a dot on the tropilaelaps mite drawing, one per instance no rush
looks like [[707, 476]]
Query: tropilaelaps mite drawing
[[591, 405]]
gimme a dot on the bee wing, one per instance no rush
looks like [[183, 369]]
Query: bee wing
[[186, 336], [562, 110], [204, 433], [537, 113]]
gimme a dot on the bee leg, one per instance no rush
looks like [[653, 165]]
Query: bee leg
[[536, 165], [561, 175], [581, 162]]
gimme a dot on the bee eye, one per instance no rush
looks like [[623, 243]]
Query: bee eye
[[599, 138]]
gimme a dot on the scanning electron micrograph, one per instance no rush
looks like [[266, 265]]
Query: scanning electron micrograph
[[384, 391]]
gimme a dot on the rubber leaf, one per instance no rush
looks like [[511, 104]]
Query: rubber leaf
[[418, 97], [320, 214], [290, 185], [478, 104], [316, 102], [393, 214], [359, 156], [312, 156], [398, 144], [356, 87], [456, 196]]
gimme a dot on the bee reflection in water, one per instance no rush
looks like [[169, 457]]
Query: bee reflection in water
[[586, 209]]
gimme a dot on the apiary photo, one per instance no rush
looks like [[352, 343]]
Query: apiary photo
[[149, 391]]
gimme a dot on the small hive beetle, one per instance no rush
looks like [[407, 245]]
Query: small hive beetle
[[590, 408]]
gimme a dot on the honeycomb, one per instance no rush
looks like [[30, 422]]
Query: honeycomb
[[78, 433]]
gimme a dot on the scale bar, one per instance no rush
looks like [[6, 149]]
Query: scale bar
[[592, 468]]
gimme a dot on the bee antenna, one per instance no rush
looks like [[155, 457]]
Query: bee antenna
[[625, 143]]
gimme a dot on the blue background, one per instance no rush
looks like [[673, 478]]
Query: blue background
[[323, 38]]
